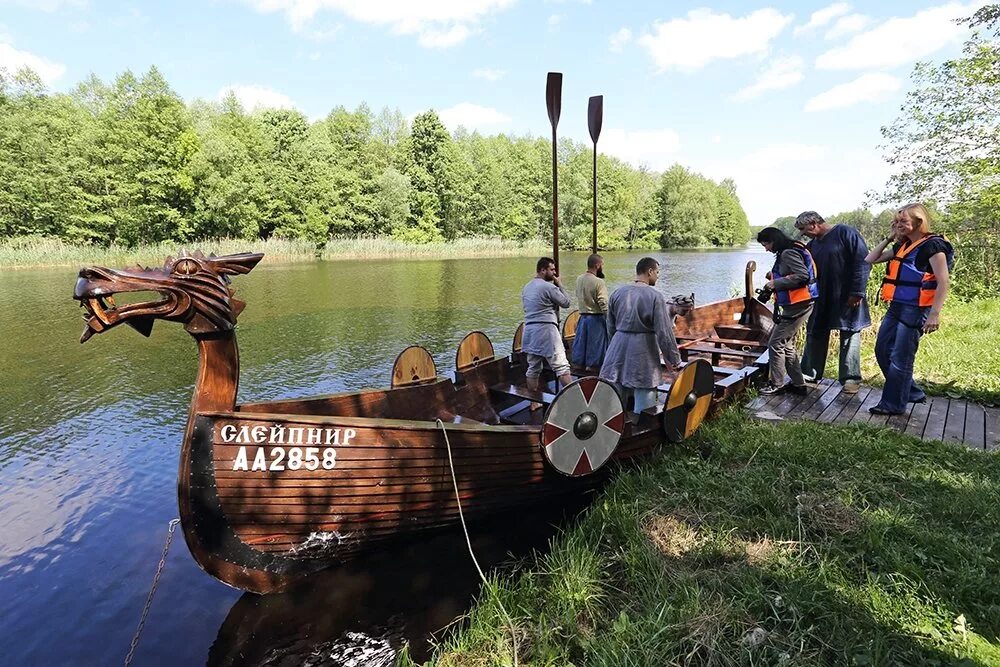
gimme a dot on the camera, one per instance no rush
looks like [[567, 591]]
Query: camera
[[764, 294]]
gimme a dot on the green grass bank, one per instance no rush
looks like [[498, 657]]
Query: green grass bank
[[34, 252], [763, 544]]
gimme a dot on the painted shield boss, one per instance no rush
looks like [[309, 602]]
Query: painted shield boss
[[689, 400], [583, 426]]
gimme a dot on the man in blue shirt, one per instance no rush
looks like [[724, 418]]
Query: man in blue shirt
[[839, 252]]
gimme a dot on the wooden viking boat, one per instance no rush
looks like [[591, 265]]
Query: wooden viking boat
[[272, 491]]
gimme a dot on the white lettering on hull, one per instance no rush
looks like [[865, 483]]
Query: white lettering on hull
[[277, 459], [271, 452]]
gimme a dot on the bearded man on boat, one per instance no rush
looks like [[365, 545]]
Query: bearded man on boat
[[591, 341], [642, 333], [542, 298]]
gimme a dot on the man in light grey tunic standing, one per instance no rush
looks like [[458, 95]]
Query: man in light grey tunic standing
[[542, 297], [642, 334]]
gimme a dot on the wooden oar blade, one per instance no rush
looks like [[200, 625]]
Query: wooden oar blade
[[595, 116], [553, 96]]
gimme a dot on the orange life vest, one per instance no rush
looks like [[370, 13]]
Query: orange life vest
[[903, 282], [809, 291]]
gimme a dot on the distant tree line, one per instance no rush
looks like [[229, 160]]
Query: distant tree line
[[129, 162]]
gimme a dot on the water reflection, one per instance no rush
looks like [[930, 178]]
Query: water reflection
[[90, 435], [364, 613]]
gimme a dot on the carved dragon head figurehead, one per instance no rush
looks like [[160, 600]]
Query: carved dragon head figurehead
[[194, 289]]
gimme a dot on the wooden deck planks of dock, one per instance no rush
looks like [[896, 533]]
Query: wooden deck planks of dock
[[951, 420]]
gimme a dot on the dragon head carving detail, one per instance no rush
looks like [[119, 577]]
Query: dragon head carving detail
[[192, 289]]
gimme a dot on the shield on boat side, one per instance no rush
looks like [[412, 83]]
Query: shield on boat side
[[689, 400], [583, 427]]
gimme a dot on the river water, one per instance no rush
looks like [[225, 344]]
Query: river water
[[90, 437]]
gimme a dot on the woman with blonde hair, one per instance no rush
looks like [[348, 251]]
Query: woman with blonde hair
[[915, 286]]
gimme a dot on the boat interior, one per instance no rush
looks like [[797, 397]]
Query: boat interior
[[491, 389]]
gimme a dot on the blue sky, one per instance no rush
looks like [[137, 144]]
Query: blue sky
[[785, 98]]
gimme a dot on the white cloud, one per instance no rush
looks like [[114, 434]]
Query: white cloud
[[899, 41], [786, 179], [438, 24], [257, 97], [489, 74], [47, 6], [656, 149], [782, 73], [442, 39], [846, 25], [688, 44], [620, 39], [555, 20], [12, 60], [471, 116], [823, 16], [871, 87]]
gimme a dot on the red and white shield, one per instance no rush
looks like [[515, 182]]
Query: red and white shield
[[583, 426]]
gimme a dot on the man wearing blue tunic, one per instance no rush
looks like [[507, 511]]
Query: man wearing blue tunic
[[839, 253], [592, 332], [642, 345], [542, 298]]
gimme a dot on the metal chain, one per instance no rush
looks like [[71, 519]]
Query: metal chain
[[152, 591]]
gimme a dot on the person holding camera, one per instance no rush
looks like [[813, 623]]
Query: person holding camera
[[793, 281], [915, 285]]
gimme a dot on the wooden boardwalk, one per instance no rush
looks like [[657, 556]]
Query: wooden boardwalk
[[950, 420]]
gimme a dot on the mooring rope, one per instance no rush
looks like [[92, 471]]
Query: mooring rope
[[468, 542], [152, 591]]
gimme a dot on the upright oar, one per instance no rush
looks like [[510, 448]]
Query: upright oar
[[553, 101], [595, 117]]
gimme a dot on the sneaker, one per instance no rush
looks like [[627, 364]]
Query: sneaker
[[810, 378], [771, 390], [798, 391], [851, 387]]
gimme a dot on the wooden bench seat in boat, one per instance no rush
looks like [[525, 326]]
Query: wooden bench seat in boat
[[717, 353], [523, 392], [715, 340], [739, 332]]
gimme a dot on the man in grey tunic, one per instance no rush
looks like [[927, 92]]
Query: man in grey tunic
[[642, 337], [542, 297]]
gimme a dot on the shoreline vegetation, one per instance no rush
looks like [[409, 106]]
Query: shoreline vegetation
[[41, 252], [29, 252], [761, 544]]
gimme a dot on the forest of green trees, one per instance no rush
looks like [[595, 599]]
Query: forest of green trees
[[129, 162]]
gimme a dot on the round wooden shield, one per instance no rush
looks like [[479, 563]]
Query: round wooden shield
[[518, 335], [474, 349], [413, 366], [689, 400], [569, 325], [583, 426]]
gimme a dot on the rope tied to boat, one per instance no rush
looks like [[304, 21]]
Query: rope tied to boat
[[152, 591], [468, 542]]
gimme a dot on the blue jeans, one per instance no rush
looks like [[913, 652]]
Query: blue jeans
[[817, 345], [895, 349]]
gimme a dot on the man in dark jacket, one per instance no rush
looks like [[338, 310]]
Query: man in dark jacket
[[839, 253]]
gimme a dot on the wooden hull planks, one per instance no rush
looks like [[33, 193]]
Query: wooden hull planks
[[271, 492]]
